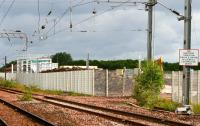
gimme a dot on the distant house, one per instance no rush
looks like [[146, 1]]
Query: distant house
[[35, 64], [12, 68]]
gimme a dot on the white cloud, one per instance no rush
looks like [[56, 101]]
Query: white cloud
[[113, 38]]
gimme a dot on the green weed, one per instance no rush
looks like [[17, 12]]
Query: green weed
[[196, 108], [27, 96]]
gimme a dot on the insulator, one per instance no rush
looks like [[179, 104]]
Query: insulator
[[49, 13], [17, 31], [175, 12], [43, 27], [94, 12], [70, 25]]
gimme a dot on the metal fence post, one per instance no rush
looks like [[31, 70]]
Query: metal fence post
[[93, 81], [85, 80], [124, 81], [77, 78], [81, 81], [198, 87], [88, 85], [57, 81], [71, 81], [106, 83], [191, 85], [65, 82], [179, 87], [46, 82]]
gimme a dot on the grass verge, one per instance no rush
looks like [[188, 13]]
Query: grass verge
[[167, 105], [196, 108], [34, 89]]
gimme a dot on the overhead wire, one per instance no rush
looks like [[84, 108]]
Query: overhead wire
[[109, 1], [65, 12], [86, 19], [113, 30], [5, 15]]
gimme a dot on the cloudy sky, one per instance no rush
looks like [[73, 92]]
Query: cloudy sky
[[118, 31]]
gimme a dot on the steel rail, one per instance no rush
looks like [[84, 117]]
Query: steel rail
[[3, 123], [28, 114], [100, 114], [128, 114], [119, 112]]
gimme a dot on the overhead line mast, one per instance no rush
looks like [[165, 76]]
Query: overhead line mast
[[187, 45], [149, 8]]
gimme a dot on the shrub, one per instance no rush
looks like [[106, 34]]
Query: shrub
[[149, 85]]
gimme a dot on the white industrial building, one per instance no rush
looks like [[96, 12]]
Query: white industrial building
[[35, 64]]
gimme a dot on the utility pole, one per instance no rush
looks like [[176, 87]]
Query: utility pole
[[187, 45], [149, 7], [5, 66]]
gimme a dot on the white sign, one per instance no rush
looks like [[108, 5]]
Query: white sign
[[188, 57]]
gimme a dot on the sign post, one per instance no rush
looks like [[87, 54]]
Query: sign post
[[187, 58]]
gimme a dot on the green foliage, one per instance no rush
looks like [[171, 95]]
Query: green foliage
[[6, 83], [167, 105], [27, 96], [35, 89], [196, 67], [76, 94], [172, 67], [8, 65], [149, 85], [196, 108], [53, 92], [111, 64], [62, 58]]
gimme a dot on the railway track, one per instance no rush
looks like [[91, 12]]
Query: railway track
[[2, 122], [112, 114], [26, 113]]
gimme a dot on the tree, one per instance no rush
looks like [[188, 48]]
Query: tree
[[8, 65], [62, 58], [149, 85]]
